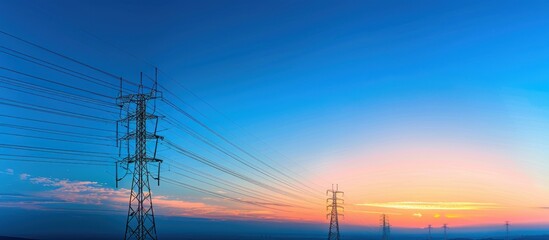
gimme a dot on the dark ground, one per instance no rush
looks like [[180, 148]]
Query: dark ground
[[289, 237]]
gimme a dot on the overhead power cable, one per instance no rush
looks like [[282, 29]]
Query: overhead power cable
[[55, 123], [237, 147], [60, 55], [14, 82], [52, 110], [194, 188], [233, 173], [55, 139], [54, 150], [54, 82]]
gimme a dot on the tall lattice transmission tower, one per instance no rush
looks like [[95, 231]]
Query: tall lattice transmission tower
[[334, 202], [385, 227], [132, 135], [429, 237], [507, 230], [445, 227]]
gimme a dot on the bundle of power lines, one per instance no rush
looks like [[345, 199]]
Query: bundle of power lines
[[71, 121]]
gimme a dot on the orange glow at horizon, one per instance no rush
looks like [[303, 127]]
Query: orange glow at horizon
[[421, 183]]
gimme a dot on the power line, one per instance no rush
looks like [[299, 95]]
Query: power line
[[52, 110], [229, 142], [234, 123], [58, 68], [55, 123], [60, 55], [13, 82], [226, 117], [89, 66], [55, 139], [53, 150], [57, 162], [233, 173], [233, 191], [188, 186], [59, 100], [218, 180], [71, 59], [138, 157], [60, 158], [97, 69], [239, 159], [54, 82]]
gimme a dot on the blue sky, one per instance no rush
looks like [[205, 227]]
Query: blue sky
[[325, 86]]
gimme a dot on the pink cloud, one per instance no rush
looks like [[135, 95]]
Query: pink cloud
[[8, 171], [24, 176], [95, 194]]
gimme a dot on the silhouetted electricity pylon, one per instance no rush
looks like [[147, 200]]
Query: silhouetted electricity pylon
[[140, 223], [429, 237], [385, 227], [333, 205], [445, 227], [507, 230]]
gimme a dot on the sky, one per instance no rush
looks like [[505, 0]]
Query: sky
[[432, 112]]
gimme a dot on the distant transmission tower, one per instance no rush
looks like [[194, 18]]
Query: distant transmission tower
[[140, 223], [333, 206], [429, 228], [385, 227], [445, 226], [507, 230]]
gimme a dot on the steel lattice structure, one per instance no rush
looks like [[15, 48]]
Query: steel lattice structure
[[385, 227], [140, 223], [429, 237], [507, 230], [445, 227], [333, 206]]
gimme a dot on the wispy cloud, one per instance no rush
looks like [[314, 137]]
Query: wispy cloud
[[8, 171], [65, 194], [24, 176], [26, 201], [374, 212], [433, 205]]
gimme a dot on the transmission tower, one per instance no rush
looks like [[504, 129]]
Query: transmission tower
[[385, 227], [333, 204], [429, 228], [507, 230], [140, 223], [445, 226]]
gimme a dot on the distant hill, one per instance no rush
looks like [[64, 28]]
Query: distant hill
[[14, 238], [544, 237]]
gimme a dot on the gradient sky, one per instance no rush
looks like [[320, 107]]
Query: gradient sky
[[429, 111]]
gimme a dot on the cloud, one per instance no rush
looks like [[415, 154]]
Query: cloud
[[24, 176], [64, 194], [417, 215], [374, 212], [24, 201], [432, 205], [8, 171], [81, 192]]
